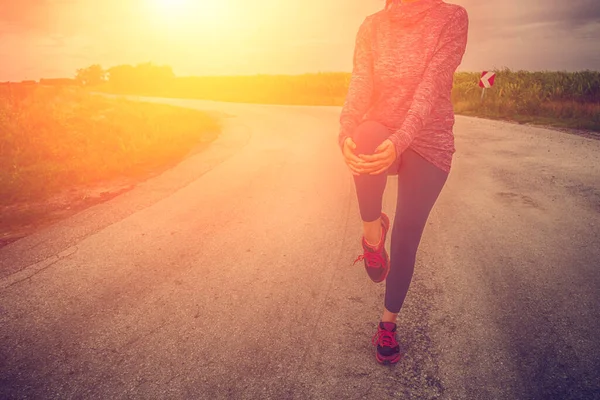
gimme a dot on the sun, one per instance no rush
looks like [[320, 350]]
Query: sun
[[185, 21], [192, 16], [174, 9], [202, 10], [172, 6]]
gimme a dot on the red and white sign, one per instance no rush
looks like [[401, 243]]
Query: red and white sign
[[487, 79]]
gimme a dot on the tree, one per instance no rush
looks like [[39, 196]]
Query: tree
[[121, 76], [91, 76]]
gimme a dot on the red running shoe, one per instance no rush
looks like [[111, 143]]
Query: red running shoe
[[388, 349], [377, 260]]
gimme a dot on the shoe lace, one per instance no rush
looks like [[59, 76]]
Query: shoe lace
[[384, 338], [374, 260]]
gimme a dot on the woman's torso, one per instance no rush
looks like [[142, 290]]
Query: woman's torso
[[401, 53]]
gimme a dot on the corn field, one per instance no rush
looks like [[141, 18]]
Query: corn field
[[570, 99]]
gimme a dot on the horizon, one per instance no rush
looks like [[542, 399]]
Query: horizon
[[250, 75], [50, 39]]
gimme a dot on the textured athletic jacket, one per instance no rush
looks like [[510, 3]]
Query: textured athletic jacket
[[404, 63]]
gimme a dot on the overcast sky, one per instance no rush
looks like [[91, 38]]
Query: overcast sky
[[52, 38]]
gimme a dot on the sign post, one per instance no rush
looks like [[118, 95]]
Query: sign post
[[486, 81]]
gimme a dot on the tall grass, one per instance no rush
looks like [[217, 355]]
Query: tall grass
[[558, 98], [53, 138]]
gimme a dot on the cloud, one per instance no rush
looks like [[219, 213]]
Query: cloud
[[24, 16], [570, 14], [66, 17], [509, 15], [532, 34]]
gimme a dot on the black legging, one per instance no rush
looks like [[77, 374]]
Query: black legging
[[419, 185]]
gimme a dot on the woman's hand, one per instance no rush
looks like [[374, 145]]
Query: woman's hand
[[351, 159], [380, 160]]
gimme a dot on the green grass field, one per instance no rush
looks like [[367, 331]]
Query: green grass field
[[56, 138]]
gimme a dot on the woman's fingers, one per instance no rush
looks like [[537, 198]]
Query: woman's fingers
[[351, 144], [362, 168], [349, 154], [353, 158], [373, 157], [382, 152], [373, 166], [355, 163], [378, 166], [385, 146], [354, 167], [380, 169]]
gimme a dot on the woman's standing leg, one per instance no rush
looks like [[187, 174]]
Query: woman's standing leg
[[419, 185]]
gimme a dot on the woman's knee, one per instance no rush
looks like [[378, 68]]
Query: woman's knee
[[368, 135]]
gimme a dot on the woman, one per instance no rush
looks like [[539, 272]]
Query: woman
[[398, 120]]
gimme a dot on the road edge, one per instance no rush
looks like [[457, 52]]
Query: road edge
[[22, 258]]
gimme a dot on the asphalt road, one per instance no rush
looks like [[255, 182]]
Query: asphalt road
[[231, 276]]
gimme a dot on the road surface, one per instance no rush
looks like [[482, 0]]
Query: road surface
[[231, 277]]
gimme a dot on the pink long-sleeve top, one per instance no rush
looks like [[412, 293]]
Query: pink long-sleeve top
[[404, 60]]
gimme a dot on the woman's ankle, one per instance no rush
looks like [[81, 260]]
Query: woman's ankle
[[389, 316], [373, 243], [373, 232]]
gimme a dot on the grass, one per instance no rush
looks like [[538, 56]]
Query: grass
[[567, 100], [561, 99], [53, 139]]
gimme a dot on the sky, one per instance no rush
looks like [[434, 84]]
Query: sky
[[53, 38]]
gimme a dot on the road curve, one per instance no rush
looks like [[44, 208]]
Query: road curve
[[231, 276]]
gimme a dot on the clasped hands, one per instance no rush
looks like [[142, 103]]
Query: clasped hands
[[371, 164]]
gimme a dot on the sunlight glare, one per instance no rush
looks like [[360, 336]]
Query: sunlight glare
[[172, 5], [202, 11]]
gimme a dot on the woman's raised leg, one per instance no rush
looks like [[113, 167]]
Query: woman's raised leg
[[370, 189]]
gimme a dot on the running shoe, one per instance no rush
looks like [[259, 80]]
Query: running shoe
[[377, 260], [388, 349]]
